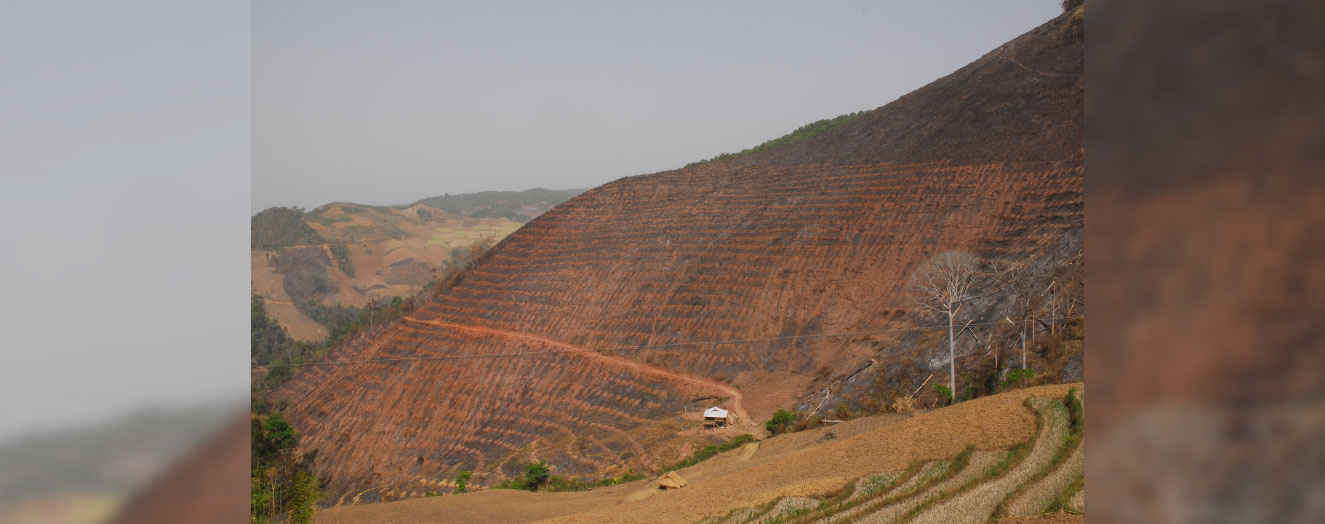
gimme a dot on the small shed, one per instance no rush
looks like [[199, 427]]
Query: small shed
[[671, 481], [715, 416]]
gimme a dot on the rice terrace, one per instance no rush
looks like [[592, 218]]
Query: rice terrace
[[877, 318]]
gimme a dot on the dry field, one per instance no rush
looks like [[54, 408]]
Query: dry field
[[791, 472], [267, 282]]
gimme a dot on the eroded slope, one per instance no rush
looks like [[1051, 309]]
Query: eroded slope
[[789, 261]]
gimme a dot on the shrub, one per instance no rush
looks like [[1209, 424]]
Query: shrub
[[535, 474], [843, 411], [782, 421], [1075, 411], [943, 392], [904, 404], [462, 481], [511, 483], [1017, 376]]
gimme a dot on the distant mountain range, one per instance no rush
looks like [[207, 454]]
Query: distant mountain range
[[352, 254]]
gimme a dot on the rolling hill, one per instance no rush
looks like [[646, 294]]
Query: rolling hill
[[356, 253], [590, 337]]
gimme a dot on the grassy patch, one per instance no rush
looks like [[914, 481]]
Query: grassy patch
[[537, 479], [709, 451], [801, 133], [1063, 502]]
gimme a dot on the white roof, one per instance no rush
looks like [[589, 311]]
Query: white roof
[[715, 412]]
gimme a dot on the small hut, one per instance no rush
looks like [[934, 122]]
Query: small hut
[[671, 481], [715, 417]]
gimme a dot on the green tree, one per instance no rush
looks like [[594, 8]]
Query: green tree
[[535, 474], [305, 494], [271, 437], [462, 481], [268, 339], [260, 498], [782, 421]]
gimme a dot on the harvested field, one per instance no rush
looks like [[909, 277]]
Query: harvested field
[[785, 508], [928, 474], [976, 505], [726, 486], [1078, 502], [1040, 495], [959, 490], [1054, 518], [979, 463], [874, 484]]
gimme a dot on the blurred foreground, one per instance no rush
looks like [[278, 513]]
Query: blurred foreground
[[1207, 276], [89, 474]]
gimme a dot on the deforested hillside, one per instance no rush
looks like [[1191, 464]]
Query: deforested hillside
[[590, 337]]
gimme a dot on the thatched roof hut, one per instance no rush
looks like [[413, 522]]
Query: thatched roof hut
[[671, 481]]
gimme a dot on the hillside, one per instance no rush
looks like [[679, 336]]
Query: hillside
[[590, 337], [866, 470], [351, 254]]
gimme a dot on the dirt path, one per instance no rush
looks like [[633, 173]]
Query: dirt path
[[743, 420]]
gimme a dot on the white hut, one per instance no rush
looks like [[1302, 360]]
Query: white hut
[[715, 416]]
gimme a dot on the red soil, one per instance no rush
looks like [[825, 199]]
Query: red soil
[[583, 336]]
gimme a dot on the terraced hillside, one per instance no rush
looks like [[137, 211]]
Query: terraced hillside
[[973, 487], [894, 465], [586, 337]]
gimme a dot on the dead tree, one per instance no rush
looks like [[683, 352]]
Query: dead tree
[[944, 284], [1019, 284]]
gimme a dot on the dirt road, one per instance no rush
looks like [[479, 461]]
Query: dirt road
[[743, 421]]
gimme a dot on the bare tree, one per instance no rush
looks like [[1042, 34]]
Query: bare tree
[[1019, 284], [944, 284]]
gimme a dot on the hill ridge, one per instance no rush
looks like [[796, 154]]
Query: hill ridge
[[812, 237]]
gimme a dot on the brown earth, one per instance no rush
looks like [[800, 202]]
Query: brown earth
[[393, 252], [267, 282], [785, 264], [798, 464], [1053, 518]]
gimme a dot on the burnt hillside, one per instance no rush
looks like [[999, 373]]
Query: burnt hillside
[[739, 277]]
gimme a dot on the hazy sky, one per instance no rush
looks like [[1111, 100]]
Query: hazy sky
[[124, 157], [389, 102], [129, 132]]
